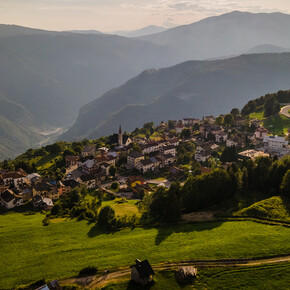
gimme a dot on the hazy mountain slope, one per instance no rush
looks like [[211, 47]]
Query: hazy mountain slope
[[267, 48], [151, 29], [16, 138], [194, 88], [228, 34], [52, 76]]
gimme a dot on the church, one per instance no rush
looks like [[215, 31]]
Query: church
[[120, 139]]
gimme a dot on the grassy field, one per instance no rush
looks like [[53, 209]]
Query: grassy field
[[121, 209], [30, 251], [277, 125], [274, 276]]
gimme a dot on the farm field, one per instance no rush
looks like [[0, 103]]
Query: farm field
[[31, 251], [272, 276]]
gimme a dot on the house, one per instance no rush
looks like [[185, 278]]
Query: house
[[239, 121], [188, 122], [133, 158], [175, 172], [89, 150], [252, 154], [145, 165], [221, 137], [202, 154], [105, 167], [168, 159], [40, 203], [179, 128], [142, 272], [89, 166], [275, 142], [46, 189], [17, 178], [70, 184], [169, 149], [209, 119], [261, 133], [71, 160], [255, 123], [88, 180], [174, 141], [235, 141], [9, 199], [149, 147]]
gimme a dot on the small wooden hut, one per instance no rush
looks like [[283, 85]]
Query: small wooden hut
[[142, 272]]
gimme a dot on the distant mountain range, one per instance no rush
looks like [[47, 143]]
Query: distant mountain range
[[190, 89], [47, 76], [229, 34]]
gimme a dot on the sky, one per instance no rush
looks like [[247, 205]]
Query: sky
[[112, 15]]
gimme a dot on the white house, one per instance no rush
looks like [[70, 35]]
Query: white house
[[274, 142], [9, 200], [169, 149]]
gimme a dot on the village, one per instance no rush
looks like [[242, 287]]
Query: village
[[141, 157]]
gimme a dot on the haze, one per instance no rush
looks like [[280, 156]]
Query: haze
[[108, 15]]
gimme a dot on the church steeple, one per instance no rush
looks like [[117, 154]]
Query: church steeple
[[120, 136]]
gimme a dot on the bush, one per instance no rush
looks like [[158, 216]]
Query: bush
[[115, 185], [90, 270], [46, 221]]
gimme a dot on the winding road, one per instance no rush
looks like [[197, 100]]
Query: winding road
[[285, 111]]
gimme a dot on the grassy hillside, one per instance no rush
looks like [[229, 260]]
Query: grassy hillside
[[258, 277], [277, 124], [274, 207], [62, 249]]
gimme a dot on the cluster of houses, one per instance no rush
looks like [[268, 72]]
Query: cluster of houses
[[209, 137], [92, 167]]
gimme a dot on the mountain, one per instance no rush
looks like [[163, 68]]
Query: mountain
[[85, 31], [190, 89], [151, 29], [267, 48], [228, 34], [47, 76]]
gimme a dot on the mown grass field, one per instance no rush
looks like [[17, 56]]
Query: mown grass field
[[31, 251], [277, 124], [273, 276]]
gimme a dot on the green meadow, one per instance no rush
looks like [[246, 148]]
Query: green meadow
[[31, 251]]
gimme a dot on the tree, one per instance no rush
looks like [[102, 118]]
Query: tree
[[171, 125], [68, 152], [285, 185], [106, 216], [235, 112], [115, 185], [228, 119], [229, 154], [185, 133], [219, 120], [113, 170]]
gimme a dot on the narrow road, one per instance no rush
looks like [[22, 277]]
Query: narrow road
[[285, 111], [92, 282]]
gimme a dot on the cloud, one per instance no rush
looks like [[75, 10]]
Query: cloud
[[169, 22]]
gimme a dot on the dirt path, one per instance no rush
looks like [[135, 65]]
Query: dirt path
[[94, 282]]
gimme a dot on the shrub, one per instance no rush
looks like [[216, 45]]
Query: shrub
[[90, 270], [115, 185]]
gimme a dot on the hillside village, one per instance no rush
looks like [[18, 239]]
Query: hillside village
[[127, 157]]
